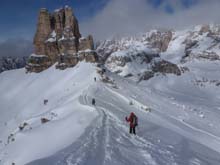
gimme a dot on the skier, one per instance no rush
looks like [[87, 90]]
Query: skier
[[93, 101], [45, 102], [133, 120]]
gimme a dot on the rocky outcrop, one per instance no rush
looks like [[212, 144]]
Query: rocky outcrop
[[43, 32], [66, 61], [119, 60], [212, 31], [38, 63], [166, 67], [146, 75], [58, 39], [202, 44], [8, 63], [204, 29], [86, 43], [160, 40], [139, 64], [160, 66]]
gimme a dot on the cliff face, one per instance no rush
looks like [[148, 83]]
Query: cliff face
[[58, 39], [160, 40]]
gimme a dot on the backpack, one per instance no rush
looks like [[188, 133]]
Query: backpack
[[135, 120]]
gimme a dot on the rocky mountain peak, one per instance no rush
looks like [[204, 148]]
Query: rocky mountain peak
[[58, 39], [160, 40]]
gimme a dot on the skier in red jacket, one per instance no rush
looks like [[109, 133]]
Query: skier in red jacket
[[133, 120]]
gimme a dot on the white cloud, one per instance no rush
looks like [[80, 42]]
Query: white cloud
[[128, 17]]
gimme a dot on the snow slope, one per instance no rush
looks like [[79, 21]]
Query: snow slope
[[182, 127], [22, 97], [174, 132], [178, 115]]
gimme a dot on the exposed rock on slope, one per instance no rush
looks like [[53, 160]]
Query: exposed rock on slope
[[140, 63], [156, 40], [58, 39], [160, 52], [160, 40], [138, 57], [203, 43], [163, 66]]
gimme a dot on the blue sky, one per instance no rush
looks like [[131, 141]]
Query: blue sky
[[103, 18], [18, 17]]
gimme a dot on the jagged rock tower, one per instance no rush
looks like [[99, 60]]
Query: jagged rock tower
[[58, 39]]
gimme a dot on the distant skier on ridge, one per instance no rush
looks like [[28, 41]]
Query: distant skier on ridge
[[133, 120], [93, 101]]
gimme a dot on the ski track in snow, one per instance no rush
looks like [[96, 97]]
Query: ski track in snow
[[169, 117], [107, 141], [97, 147], [110, 143], [178, 115]]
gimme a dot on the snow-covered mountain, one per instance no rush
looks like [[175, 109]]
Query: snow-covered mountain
[[161, 52], [170, 80], [8, 63]]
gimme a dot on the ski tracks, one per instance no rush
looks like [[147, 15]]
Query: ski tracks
[[108, 142]]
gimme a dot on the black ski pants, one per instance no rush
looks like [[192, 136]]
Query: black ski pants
[[132, 130]]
